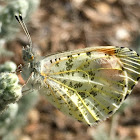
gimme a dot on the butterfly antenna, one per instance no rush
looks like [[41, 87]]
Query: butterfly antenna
[[24, 27]]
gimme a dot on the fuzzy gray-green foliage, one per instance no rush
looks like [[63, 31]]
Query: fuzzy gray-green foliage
[[24, 105], [7, 18], [7, 117], [8, 66], [10, 90], [15, 115], [8, 24]]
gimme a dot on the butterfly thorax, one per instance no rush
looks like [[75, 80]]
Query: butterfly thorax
[[31, 69]]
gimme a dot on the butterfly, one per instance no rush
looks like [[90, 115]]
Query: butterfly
[[87, 84]]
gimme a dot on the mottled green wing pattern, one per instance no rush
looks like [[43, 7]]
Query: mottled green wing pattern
[[90, 84]]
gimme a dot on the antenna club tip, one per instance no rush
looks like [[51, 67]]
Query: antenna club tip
[[18, 17]]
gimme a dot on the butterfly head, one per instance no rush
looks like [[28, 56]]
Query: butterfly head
[[28, 55]]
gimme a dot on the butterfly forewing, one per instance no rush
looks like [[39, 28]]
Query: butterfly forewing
[[90, 84]]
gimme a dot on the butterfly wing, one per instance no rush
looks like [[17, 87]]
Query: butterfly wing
[[90, 84]]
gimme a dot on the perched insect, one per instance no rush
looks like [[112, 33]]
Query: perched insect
[[88, 84]]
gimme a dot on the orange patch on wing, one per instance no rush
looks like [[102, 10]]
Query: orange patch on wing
[[107, 51]]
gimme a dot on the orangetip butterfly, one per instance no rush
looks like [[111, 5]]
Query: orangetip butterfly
[[88, 84]]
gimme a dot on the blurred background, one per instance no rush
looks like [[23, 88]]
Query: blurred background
[[63, 25]]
